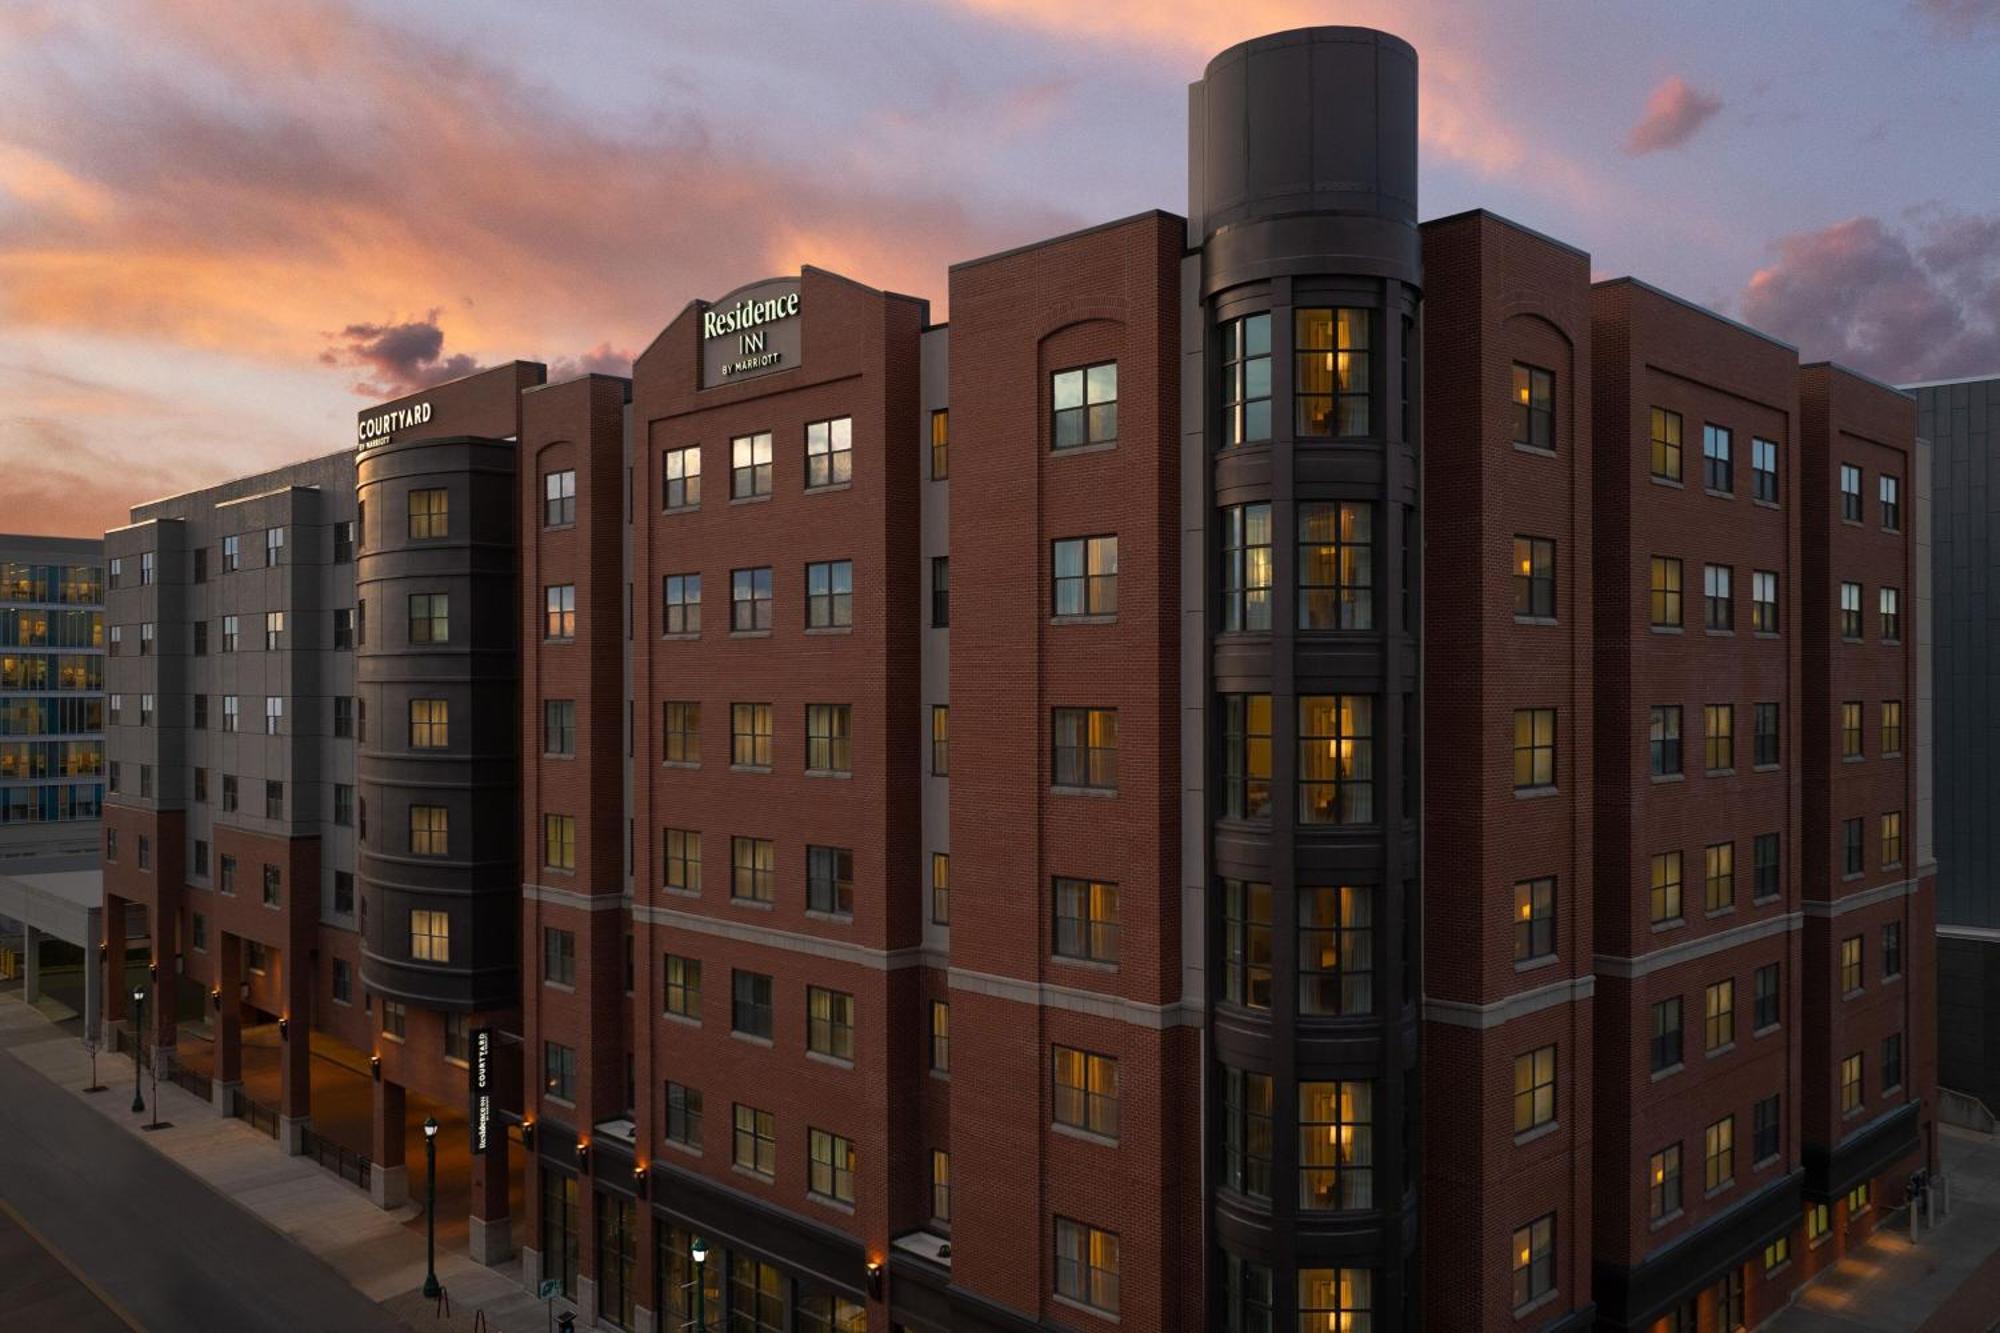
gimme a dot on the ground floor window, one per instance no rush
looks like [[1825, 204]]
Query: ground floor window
[[757, 1292], [617, 1257], [688, 1291], [559, 1247]]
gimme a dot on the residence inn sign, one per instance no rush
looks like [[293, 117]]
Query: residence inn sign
[[752, 331]]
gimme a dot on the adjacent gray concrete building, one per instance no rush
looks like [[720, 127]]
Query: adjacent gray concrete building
[[1961, 420]]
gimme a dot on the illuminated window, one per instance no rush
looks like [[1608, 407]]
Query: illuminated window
[[1086, 405], [940, 1186], [1336, 1145], [940, 1037], [1534, 748], [940, 740], [1719, 1014], [430, 937], [1336, 950], [753, 870], [1860, 1199], [832, 1165], [1534, 1249], [1086, 576], [1718, 725], [1246, 380], [1087, 1265], [756, 1144], [750, 465], [1719, 1154], [1534, 919], [1086, 1091], [1663, 1182], [1534, 1089], [830, 1022], [683, 859], [1852, 971], [1817, 1223], [683, 981], [430, 514], [680, 732], [750, 735], [1331, 372], [1719, 876], [430, 724], [1535, 577], [1777, 1254], [829, 738], [1666, 591], [1666, 444], [1337, 759], [1852, 1093], [1335, 1300], [941, 888], [430, 830], [1086, 748], [1086, 920], [559, 842], [1892, 838], [1892, 727], [1534, 407], [940, 445], [1764, 601], [1336, 570]]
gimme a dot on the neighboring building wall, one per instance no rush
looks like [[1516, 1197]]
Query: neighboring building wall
[[51, 701], [1961, 420], [1498, 989]]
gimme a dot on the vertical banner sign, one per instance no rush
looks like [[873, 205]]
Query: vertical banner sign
[[482, 1087]]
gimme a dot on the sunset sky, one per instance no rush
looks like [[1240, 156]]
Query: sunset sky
[[227, 224]]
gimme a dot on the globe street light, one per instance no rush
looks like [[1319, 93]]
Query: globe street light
[[431, 1289], [699, 1253], [138, 1035]]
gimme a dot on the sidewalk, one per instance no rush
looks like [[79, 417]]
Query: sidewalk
[[1948, 1282], [379, 1253]]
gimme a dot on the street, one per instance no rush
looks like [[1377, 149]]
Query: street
[[160, 1244]]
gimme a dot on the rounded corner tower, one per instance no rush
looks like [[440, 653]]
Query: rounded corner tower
[[1302, 307], [436, 666]]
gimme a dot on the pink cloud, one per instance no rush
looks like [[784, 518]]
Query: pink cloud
[[398, 358], [1675, 111], [1901, 305]]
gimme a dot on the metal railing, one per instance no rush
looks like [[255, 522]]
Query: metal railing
[[260, 1116], [349, 1166], [190, 1080], [1966, 1111]]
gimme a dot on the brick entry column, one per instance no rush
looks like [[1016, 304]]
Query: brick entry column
[[295, 1057], [492, 1234], [111, 968], [389, 1183], [227, 1005]]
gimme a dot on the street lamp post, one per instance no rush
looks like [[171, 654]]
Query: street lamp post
[[138, 1036], [699, 1253], [431, 1288]]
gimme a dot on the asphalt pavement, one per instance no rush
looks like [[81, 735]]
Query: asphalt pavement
[[155, 1247]]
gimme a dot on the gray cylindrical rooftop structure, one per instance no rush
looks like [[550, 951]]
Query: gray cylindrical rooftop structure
[[1302, 149]]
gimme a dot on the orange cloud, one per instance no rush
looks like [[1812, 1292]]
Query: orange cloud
[[1675, 112]]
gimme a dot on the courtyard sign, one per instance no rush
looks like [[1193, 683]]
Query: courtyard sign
[[375, 429], [482, 1088]]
